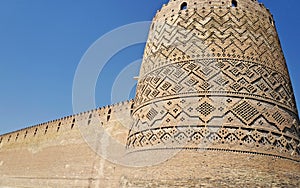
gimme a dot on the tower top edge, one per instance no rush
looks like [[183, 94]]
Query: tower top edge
[[177, 6]]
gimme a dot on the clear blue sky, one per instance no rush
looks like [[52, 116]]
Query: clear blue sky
[[42, 42]]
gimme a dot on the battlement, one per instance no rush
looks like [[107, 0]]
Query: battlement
[[213, 107], [52, 128], [184, 6]]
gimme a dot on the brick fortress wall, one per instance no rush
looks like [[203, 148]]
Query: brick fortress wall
[[213, 89], [57, 153]]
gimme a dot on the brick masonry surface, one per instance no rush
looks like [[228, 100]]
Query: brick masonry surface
[[214, 107]]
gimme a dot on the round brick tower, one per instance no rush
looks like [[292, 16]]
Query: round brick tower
[[214, 79]]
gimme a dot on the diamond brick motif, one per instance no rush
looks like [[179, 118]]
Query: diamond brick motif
[[191, 82], [236, 86], [249, 73], [166, 86], [221, 81], [243, 82], [246, 111], [246, 78], [205, 86], [206, 71], [220, 65], [177, 88], [175, 111], [278, 117], [191, 66], [235, 71], [205, 108], [178, 73], [213, 76]]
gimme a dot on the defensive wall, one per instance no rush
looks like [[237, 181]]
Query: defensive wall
[[214, 100], [56, 153]]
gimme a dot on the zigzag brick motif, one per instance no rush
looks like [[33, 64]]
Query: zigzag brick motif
[[214, 107], [214, 77], [218, 32], [217, 76], [238, 124]]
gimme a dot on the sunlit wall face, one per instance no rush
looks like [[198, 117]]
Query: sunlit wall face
[[214, 76]]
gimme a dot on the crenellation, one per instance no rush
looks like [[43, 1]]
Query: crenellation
[[64, 124], [213, 93], [173, 7], [64, 121]]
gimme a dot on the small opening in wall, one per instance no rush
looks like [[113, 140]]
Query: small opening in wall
[[183, 6], [1, 140], [46, 130], [25, 134], [73, 123], [35, 132], [58, 126], [108, 116], [234, 3], [131, 108]]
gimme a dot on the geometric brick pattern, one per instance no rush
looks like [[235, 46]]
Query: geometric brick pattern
[[205, 109], [215, 77], [228, 77], [245, 111], [213, 92], [210, 32], [237, 124]]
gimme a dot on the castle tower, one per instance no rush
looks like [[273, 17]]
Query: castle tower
[[214, 107], [214, 78]]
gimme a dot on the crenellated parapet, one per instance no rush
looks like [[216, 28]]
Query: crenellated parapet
[[176, 6], [214, 107], [53, 129]]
